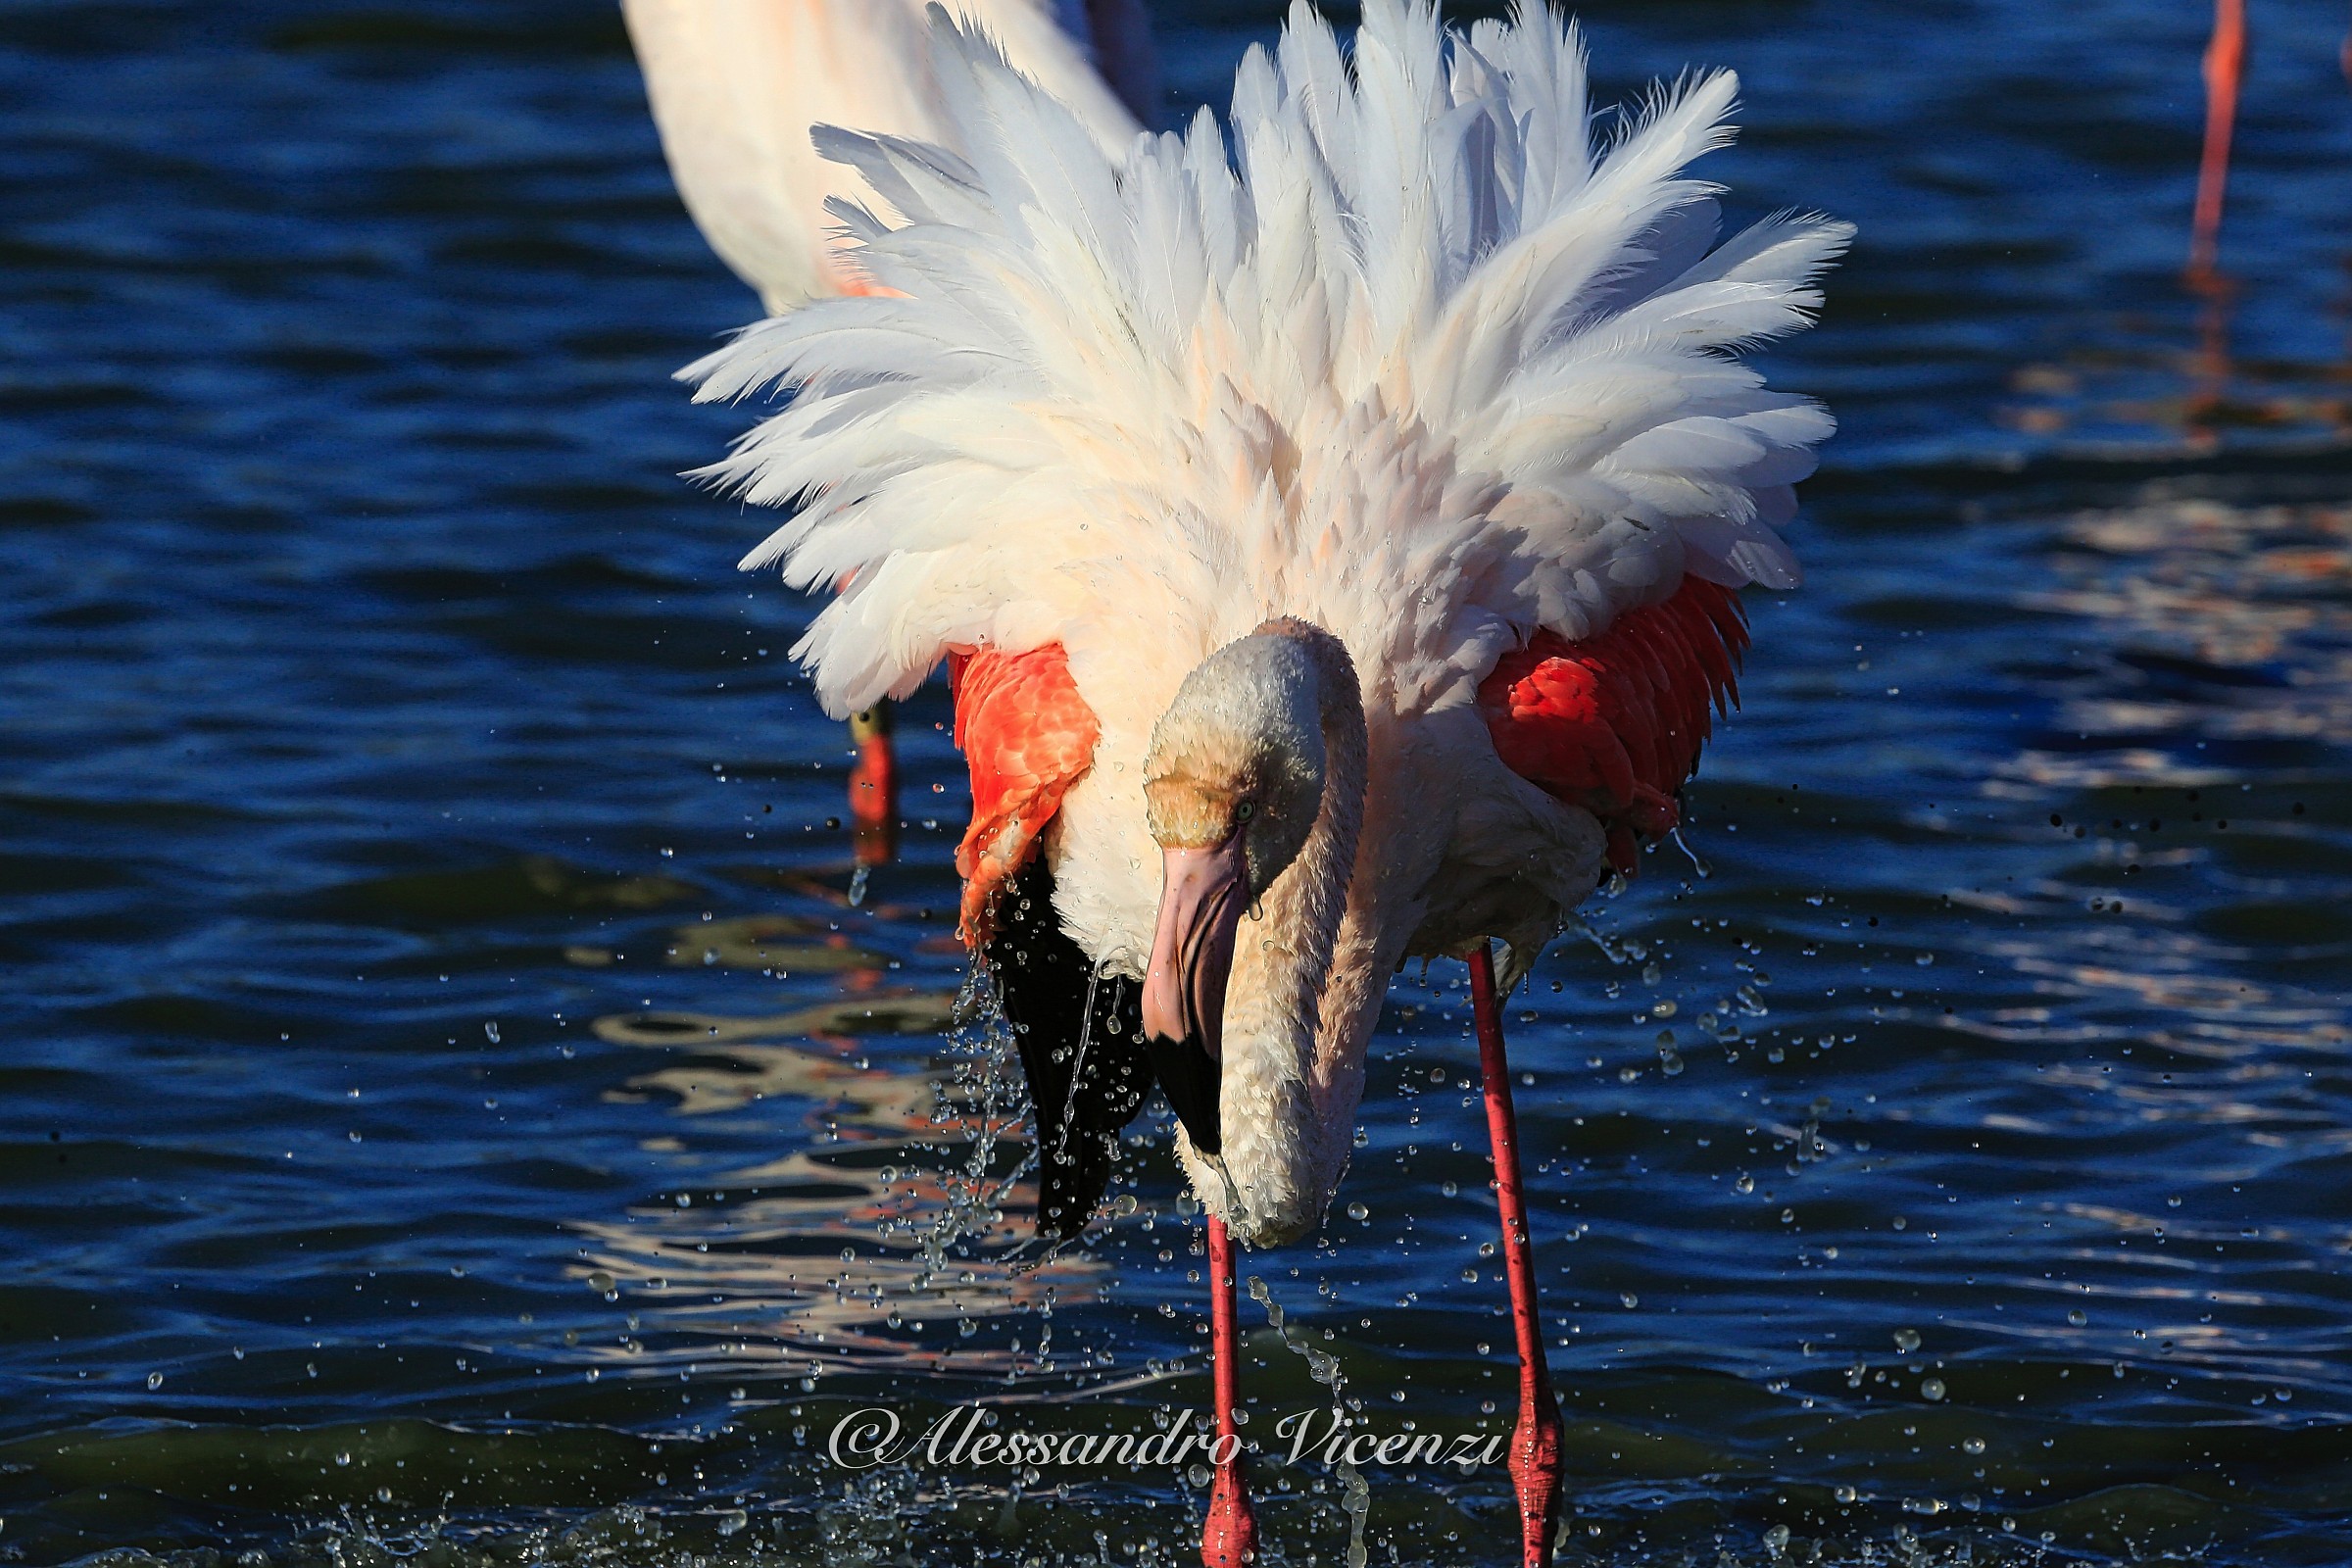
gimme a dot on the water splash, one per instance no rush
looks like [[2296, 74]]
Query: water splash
[[858, 881], [1355, 1493], [1617, 950], [982, 1094], [1086, 1039], [1698, 865]]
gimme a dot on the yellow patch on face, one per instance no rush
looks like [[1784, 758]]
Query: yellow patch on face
[[1188, 814]]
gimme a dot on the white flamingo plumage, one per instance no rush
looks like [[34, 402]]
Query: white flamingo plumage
[[1344, 526], [735, 84], [734, 87]]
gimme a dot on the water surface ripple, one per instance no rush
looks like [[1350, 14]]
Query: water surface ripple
[[451, 1107]]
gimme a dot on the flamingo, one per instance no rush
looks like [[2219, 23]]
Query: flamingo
[[2225, 72], [734, 87], [1335, 540]]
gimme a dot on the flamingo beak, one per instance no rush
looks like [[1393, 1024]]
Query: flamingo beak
[[1203, 895]]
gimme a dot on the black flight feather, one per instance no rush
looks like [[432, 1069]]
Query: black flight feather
[[1086, 1079]]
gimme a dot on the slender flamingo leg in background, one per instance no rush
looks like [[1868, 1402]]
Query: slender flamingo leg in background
[[1229, 1538], [2224, 69], [1534, 1464], [874, 786]]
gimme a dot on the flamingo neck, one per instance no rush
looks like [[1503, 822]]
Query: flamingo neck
[[1267, 1183]]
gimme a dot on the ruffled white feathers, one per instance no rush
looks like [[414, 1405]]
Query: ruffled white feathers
[[1414, 358]]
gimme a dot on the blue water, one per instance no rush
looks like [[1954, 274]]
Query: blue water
[[450, 1106]]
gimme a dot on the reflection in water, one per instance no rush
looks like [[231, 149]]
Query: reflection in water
[[2214, 645], [2230, 624], [2199, 394], [340, 791], [2139, 396], [865, 1254]]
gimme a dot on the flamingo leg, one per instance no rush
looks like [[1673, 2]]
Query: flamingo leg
[[874, 786], [2224, 69], [1534, 1464], [1229, 1538]]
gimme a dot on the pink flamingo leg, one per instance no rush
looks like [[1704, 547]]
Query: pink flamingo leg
[[1535, 1463], [2224, 69], [874, 786], [1229, 1538]]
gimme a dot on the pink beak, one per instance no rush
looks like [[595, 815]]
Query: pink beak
[[1200, 900]]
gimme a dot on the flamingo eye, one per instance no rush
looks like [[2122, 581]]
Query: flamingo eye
[[1244, 811]]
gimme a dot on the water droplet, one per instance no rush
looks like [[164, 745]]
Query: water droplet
[[155, 1380], [1199, 1475], [2078, 1317], [1358, 1211], [1630, 1300], [1973, 1445], [600, 1282], [343, 1457], [1931, 1389], [1697, 864], [491, 1029], [1906, 1340]]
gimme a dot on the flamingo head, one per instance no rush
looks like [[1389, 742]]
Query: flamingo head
[[1233, 785]]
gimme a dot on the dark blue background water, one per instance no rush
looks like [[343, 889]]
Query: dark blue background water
[[448, 1105]]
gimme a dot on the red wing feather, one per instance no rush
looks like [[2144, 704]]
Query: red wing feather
[[1028, 736], [1614, 723]]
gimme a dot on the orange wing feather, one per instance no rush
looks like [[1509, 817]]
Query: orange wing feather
[[1614, 723], [1028, 736]]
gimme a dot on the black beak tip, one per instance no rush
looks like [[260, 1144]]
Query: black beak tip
[[1187, 1075]]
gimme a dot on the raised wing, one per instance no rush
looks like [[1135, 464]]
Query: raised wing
[[1614, 723], [1412, 299]]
